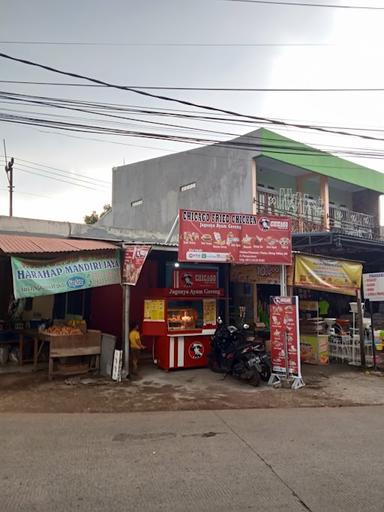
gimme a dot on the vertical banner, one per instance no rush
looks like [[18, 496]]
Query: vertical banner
[[285, 336], [134, 259]]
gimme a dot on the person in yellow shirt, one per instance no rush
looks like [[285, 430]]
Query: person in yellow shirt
[[136, 346]]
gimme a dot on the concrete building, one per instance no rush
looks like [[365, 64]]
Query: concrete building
[[258, 172]]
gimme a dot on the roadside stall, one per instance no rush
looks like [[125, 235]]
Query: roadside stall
[[328, 289], [45, 300], [182, 319]]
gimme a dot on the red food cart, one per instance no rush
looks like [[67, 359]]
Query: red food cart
[[182, 319]]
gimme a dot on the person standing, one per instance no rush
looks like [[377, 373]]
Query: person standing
[[136, 346]]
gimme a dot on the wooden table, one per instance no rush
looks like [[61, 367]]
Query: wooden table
[[88, 344], [35, 335]]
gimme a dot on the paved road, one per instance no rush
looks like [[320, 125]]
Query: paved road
[[263, 460]]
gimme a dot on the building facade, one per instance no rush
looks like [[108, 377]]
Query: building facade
[[261, 172]]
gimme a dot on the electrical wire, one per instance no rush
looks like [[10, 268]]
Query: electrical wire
[[53, 175], [306, 4], [290, 148], [213, 89], [168, 125], [179, 101], [205, 45]]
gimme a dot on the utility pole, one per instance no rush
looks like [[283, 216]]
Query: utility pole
[[9, 173]]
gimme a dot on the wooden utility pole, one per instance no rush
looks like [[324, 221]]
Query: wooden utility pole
[[9, 173]]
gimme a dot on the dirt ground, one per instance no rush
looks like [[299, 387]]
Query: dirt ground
[[195, 389]]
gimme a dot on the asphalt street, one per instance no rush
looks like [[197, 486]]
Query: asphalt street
[[325, 459]]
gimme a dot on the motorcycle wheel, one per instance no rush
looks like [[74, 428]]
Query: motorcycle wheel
[[213, 366], [255, 379]]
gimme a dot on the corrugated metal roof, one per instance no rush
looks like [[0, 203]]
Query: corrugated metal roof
[[15, 244]]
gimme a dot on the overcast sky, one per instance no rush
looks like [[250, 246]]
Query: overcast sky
[[348, 53]]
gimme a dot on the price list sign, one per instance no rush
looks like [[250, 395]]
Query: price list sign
[[285, 337]]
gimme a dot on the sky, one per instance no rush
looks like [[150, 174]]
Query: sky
[[64, 175]]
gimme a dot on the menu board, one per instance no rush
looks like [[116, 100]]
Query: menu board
[[285, 338], [373, 285], [154, 310], [234, 238], [209, 311]]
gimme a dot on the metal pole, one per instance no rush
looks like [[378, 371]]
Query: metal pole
[[226, 292], [283, 280], [126, 304], [286, 355], [11, 188], [373, 336], [174, 225], [361, 330], [9, 173]]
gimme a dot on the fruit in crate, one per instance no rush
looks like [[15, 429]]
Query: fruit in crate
[[62, 330]]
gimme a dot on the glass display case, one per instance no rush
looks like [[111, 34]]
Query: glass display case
[[185, 315]]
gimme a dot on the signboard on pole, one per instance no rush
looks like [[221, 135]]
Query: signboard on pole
[[195, 278], [373, 286], [337, 276], [285, 339], [32, 278], [134, 259], [222, 237], [260, 274]]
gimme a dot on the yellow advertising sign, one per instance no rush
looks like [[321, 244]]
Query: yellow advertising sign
[[329, 275], [259, 274], [154, 310], [209, 311]]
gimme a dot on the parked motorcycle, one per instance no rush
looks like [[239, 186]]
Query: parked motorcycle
[[232, 354]]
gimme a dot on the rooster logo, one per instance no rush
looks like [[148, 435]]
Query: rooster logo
[[187, 280], [196, 350]]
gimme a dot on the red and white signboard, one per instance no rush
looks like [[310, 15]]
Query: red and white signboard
[[373, 286], [285, 337], [194, 278], [234, 238], [134, 259]]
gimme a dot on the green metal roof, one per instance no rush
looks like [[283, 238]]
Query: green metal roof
[[311, 159]]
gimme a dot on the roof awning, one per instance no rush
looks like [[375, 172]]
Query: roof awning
[[16, 244]]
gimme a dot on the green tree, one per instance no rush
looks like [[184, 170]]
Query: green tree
[[94, 217], [91, 219]]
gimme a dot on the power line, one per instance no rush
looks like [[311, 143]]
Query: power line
[[210, 89], [28, 193], [61, 177], [179, 101], [280, 148], [48, 101], [351, 151], [306, 4], [209, 45]]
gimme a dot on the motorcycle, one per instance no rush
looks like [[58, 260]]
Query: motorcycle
[[233, 354]]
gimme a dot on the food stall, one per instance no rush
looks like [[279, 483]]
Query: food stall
[[182, 319], [314, 338], [45, 300], [325, 287]]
